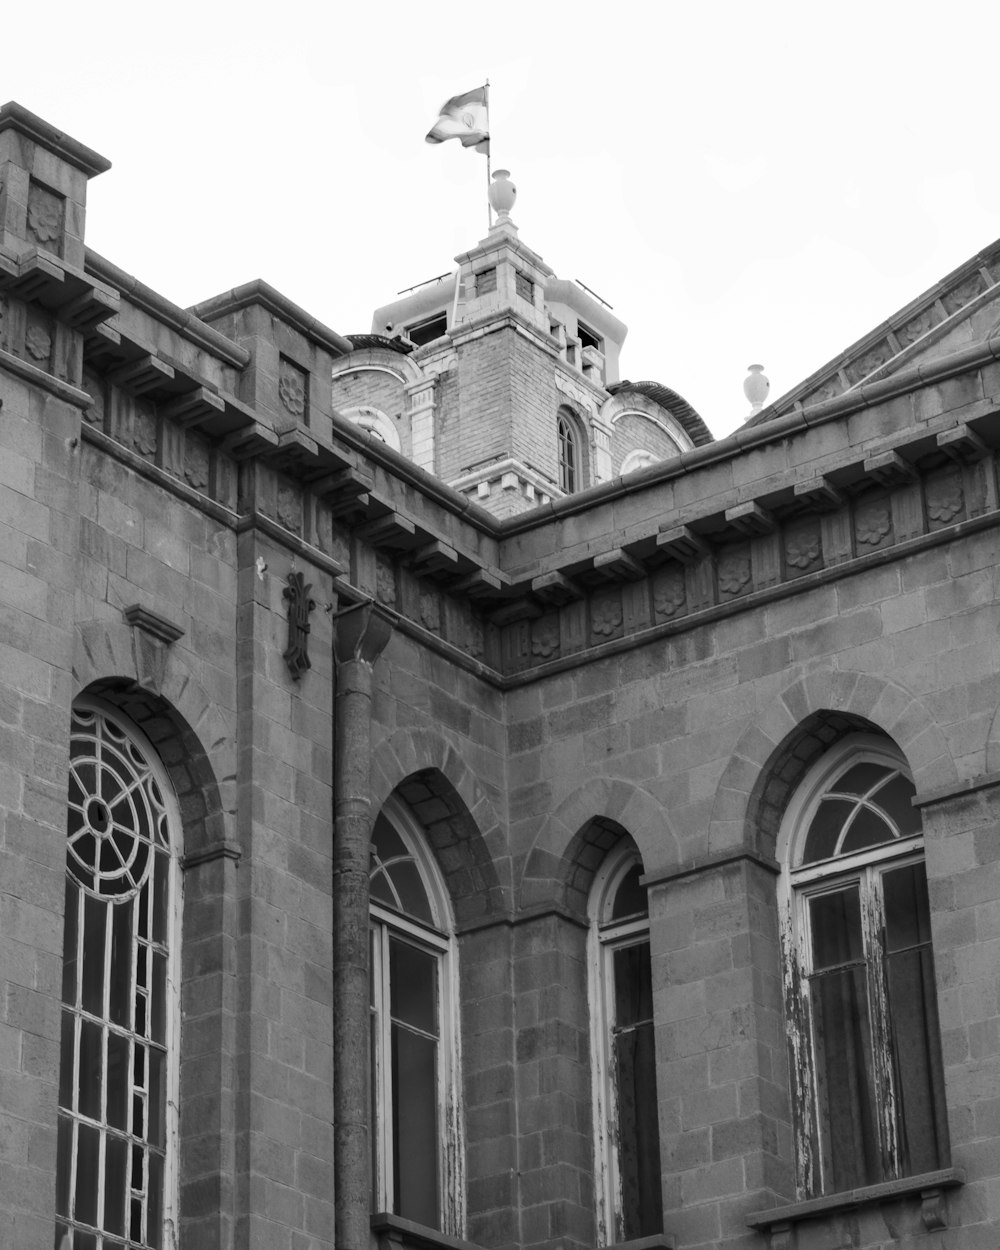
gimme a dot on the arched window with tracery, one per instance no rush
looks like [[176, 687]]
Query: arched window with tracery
[[629, 1194], [864, 1026], [120, 1017], [569, 456], [416, 1158]]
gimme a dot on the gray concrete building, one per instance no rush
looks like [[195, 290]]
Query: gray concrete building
[[418, 829]]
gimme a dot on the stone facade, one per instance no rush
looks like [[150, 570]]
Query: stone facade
[[305, 628]]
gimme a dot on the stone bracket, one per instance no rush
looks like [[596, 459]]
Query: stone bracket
[[683, 544], [751, 519], [818, 494], [556, 588], [152, 634], [962, 444], [890, 469]]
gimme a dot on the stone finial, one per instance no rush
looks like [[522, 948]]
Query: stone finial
[[502, 195], [755, 388]]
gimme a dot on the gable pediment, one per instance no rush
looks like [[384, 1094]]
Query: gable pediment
[[961, 310]]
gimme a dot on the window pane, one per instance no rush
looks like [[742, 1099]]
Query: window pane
[[866, 829], [914, 1020], [894, 798], [94, 917], [118, 1086], [633, 985], [414, 1116], [917, 1053], [413, 986], [907, 911], [91, 1064], [116, 1155], [67, 1053], [860, 779], [638, 1130], [87, 1173], [835, 920], [845, 1091], [821, 840], [630, 897], [64, 1155], [70, 940], [120, 980], [412, 896]]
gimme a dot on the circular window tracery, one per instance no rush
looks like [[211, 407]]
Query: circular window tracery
[[117, 817]]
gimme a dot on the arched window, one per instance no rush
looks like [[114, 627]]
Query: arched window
[[120, 1018], [630, 1201], [864, 1028], [416, 1161], [568, 454]]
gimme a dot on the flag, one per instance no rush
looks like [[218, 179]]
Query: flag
[[464, 117]]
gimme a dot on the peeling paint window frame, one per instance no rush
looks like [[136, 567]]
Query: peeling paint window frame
[[799, 885], [568, 457], [435, 937], [140, 768], [606, 937]]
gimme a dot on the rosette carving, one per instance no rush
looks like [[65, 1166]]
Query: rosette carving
[[668, 592], [945, 499], [385, 584], [545, 637], [606, 616], [45, 215], [803, 547], [872, 522], [292, 382], [734, 572]]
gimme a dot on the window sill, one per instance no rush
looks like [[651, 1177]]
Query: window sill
[[929, 1186], [393, 1231], [658, 1241]]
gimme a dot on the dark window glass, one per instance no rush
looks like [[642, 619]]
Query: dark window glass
[[568, 455], [634, 1068], [427, 331]]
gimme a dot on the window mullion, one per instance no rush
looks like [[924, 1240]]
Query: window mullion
[[873, 932]]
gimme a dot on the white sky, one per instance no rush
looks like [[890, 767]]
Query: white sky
[[741, 182]]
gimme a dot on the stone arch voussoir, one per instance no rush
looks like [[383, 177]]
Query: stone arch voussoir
[[154, 686], [788, 736], [455, 812], [574, 840]]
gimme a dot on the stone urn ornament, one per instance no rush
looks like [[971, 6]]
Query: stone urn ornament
[[502, 193], [756, 388]]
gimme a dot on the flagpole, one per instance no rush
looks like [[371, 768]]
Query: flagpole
[[489, 143]]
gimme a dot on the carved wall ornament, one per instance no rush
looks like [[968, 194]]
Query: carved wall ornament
[[196, 462], [292, 384], [945, 498], [873, 359], [475, 643], [289, 507], [916, 328], [668, 592], [545, 637], [45, 214], [296, 595], [38, 342], [606, 615], [734, 572], [136, 423], [331, 538], [93, 384], [962, 294], [430, 611], [385, 584], [872, 522], [803, 546]]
